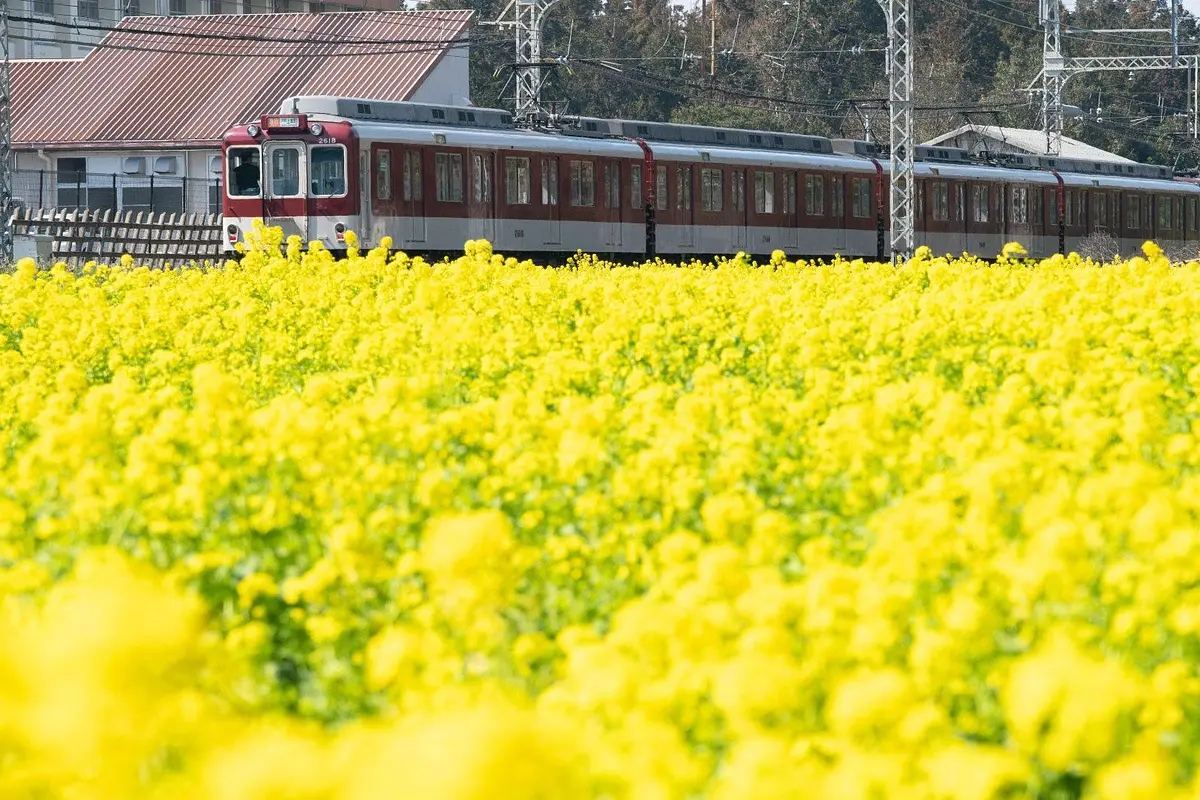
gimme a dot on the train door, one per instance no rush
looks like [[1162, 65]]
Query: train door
[[684, 207], [791, 218], [550, 201], [412, 194], [837, 212], [481, 209], [284, 202], [612, 205], [366, 219], [739, 240]]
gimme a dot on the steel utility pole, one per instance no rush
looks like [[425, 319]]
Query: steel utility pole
[[900, 114], [1052, 75], [6, 152], [527, 17], [1057, 69]]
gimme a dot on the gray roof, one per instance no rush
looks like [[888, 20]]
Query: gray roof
[[1029, 141]]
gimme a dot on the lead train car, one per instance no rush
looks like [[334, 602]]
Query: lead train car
[[432, 177]]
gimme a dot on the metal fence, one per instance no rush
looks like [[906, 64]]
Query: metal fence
[[155, 194], [76, 236]]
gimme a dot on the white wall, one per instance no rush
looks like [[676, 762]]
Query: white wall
[[111, 182], [450, 81]]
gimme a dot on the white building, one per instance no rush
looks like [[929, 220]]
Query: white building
[[982, 139], [137, 123], [70, 28]]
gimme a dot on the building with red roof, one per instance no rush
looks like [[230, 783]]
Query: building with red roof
[[136, 123]]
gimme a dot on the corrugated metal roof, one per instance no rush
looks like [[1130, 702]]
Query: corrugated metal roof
[[33, 78], [1034, 142], [185, 80]]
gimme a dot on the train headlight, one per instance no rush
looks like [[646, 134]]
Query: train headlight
[[315, 129], [253, 131], [231, 231]]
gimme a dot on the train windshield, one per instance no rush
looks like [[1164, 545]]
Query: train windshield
[[245, 172], [327, 171]]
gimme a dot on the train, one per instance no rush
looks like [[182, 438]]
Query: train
[[431, 177]]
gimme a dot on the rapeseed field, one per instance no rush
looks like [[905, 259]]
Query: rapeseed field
[[301, 527]]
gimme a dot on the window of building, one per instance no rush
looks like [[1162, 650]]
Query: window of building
[[941, 201], [327, 171], [448, 169], [88, 9], [285, 172], [413, 185], [177, 7], [583, 184], [216, 6], [980, 202], [683, 188], [383, 175], [635, 187], [764, 192], [1133, 211], [712, 190], [516, 181], [71, 180], [549, 181], [1020, 205], [661, 199], [612, 185], [837, 197], [42, 7], [1164, 213], [739, 190], [814, 195], [481, 178], [861, 199]]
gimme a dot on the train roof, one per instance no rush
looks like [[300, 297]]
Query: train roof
[[494, 128]]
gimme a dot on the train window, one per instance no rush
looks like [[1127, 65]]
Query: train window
[[660, 189], [327, 171], [1164, 213], [245, 172], [285, 172], [1035, 206], [635, 186], [449, 168], [481, 178], [612, 185], [1191, 214], [837, 197], [516, 181], [920, 196], [764, 192], [1054, 207], [1080, 209], [960, 203], [941, 201], [1100, 209], [1020, 205], [980, 202], [412, 175], [737, 190], [862, 198], [712, 190], [1133, 211], [1069, 206], [383, 175], [814, 195], [683, 188], [549, 181], [583, 184]]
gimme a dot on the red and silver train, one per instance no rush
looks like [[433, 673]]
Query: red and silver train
[[432, 177]]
